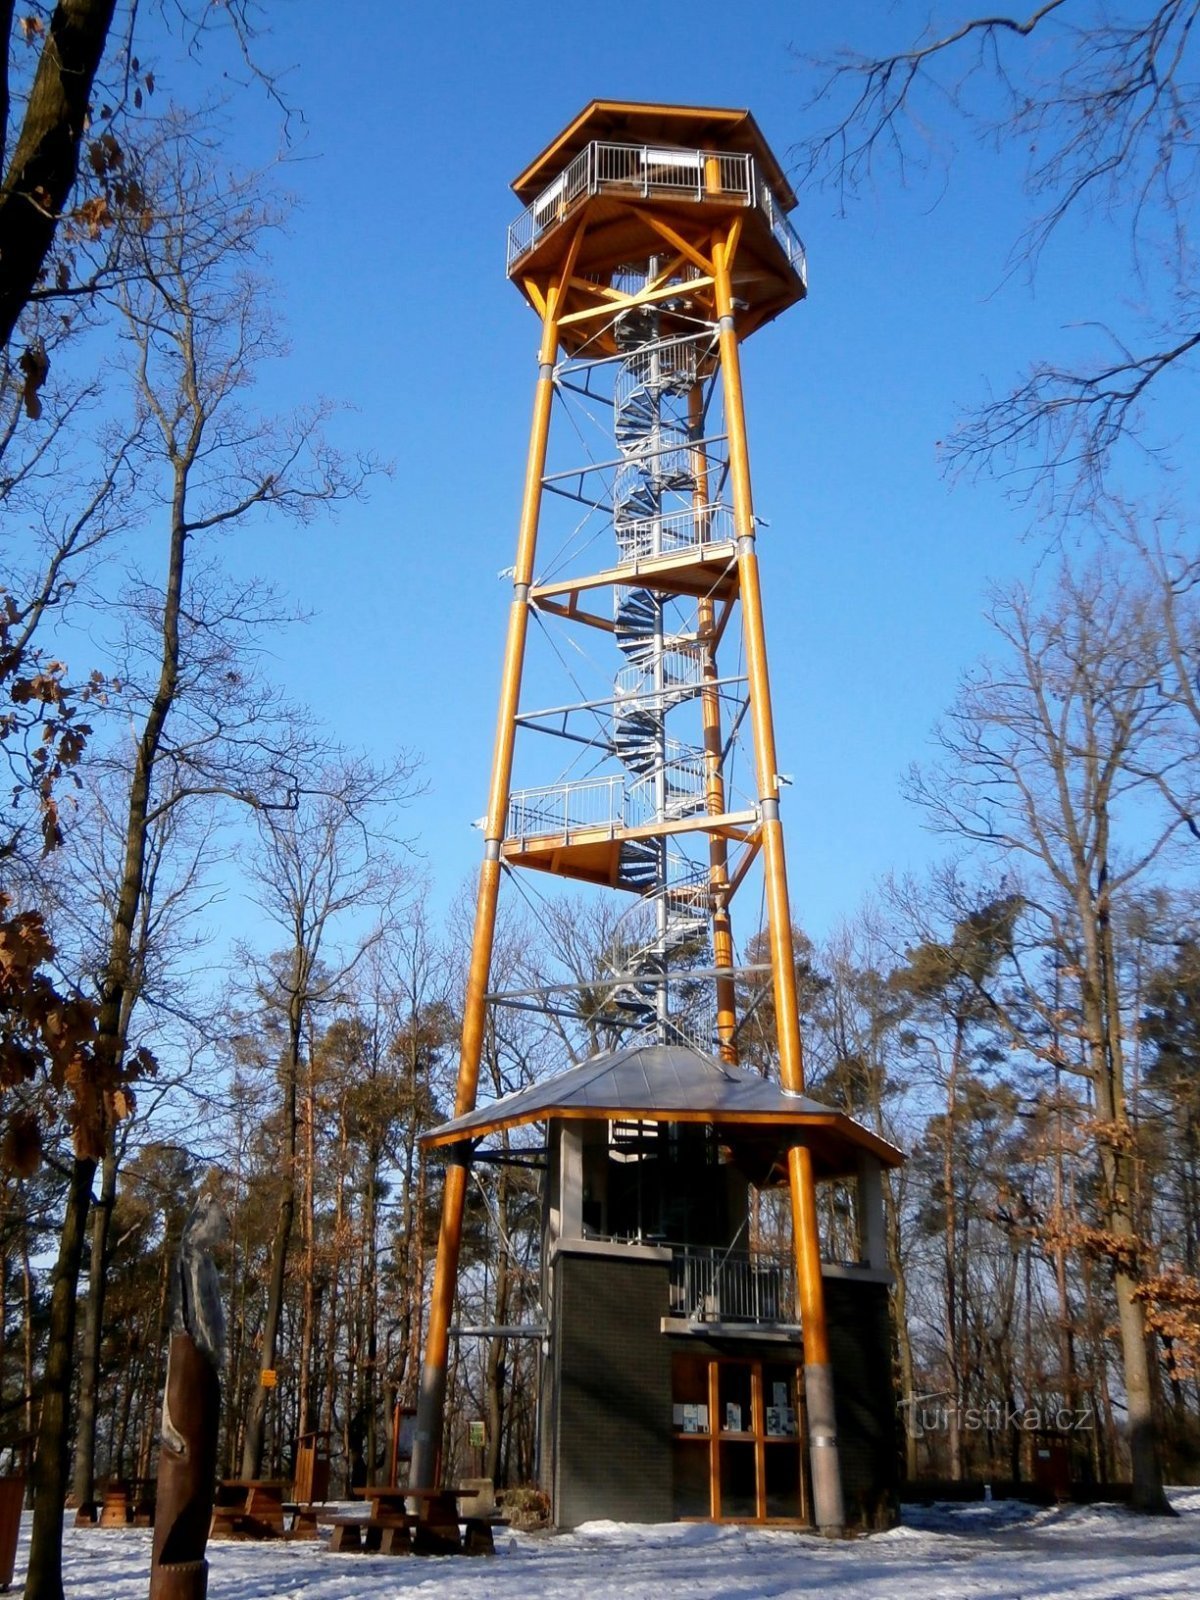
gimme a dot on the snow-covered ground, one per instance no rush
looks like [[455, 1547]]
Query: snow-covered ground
[[975, 1552]]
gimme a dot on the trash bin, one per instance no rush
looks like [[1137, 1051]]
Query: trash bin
[[12, 1498]]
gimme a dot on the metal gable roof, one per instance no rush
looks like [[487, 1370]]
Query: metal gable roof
[[659, 1083]]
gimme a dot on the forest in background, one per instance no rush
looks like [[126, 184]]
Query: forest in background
[[1023, 1021]]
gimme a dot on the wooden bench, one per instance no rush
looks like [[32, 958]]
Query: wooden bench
[[389, 1535], [306, 1518], [433, 1530], [477, 1537]]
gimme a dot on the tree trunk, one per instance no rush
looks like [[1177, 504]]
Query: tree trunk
[[950, 1265], [308, 1314], [44, 1578], [162, 1333], [45, 163], [256, 1417], [28, 1340], [371, 1299], [116, 991], [494, 1393], [1102, 1021], [93, 1334]]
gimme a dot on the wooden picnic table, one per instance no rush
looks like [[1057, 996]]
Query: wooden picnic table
[[248, 1508], [391, 1528], [123, 1502]]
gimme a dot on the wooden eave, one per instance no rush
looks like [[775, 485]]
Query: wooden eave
[[647, 122], [827, 1131]]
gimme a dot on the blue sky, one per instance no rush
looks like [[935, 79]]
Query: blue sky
[[392, 282]]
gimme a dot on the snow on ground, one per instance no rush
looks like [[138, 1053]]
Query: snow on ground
[[1001, 1551]]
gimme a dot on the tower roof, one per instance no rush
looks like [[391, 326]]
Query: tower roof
[[672, 1083], [642, 122]]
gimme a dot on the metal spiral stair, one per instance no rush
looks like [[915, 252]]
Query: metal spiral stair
[[686, 900], [671, 920]]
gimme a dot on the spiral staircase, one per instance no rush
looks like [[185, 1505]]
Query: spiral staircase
[[665, 779]]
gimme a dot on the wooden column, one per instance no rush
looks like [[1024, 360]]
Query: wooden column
[[818, 1378], [426, 1458]]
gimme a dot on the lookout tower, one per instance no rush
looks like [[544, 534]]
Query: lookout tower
[[653, 241]]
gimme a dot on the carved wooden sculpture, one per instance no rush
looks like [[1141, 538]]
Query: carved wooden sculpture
[[187, 1464]]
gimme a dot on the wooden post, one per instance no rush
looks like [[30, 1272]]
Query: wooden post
[[187, 1458], [187, 1472], [431, 1397], [12, 1497], [818, 1377]]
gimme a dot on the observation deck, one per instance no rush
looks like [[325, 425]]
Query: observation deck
[[627, 183], [590, 829]]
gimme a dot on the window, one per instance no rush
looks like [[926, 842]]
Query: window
[[738, 1439]]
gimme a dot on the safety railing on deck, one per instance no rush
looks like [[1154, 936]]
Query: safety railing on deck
[[786, 236], [643, 170], [563, 808], [673, 531], [732, 1286]]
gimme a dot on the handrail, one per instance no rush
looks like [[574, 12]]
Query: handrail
[[733, 1285], [559, 808], [645, 170]]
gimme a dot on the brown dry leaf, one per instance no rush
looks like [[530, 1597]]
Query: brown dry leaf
[[35, 364], [95, 215], [21, 1147]]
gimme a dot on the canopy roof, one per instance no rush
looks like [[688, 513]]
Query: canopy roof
[[672, 1083], [643, 122]]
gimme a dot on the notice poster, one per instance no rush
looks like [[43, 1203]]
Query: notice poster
[[733, 1417]]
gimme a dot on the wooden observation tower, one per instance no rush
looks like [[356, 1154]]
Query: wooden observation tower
[[653, 242]]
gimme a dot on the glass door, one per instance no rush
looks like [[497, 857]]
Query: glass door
[[738, 1436]]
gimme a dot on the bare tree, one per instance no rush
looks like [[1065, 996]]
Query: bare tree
[[195, 329], [323, 864], [71, 76], [1054, 758], [1104, 104]]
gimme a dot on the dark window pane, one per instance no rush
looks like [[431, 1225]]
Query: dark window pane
[[783, 1480], [691, 1478], [738, 1497]]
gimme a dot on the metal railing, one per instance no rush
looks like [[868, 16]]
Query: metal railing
[[684, 777], [607, 802], [683, 669], [562, 808], [732, 1286], [642, 170], [785, 235], [663, 365], [688, 529]]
